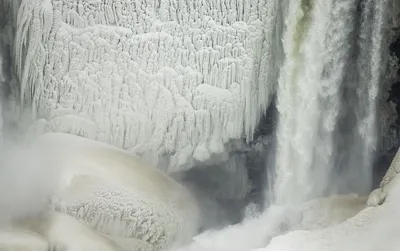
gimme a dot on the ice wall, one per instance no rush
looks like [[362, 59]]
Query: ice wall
[[178, 80], [173, 77], [335, 59]]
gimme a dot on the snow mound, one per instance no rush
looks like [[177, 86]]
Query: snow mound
[[112, 192], [60, 232], [118, 194]]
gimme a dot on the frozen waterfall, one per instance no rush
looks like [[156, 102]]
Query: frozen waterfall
[[178, 82], [181, 83], [184, 84]]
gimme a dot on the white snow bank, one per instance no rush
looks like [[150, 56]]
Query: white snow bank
[[116, 193], [60, 232], [112, 192], [146, 76]]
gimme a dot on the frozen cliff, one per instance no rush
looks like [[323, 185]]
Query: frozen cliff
[[183, 83], [186, 84], [167, 78]]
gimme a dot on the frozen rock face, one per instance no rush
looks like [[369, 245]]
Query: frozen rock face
[[148, 76]]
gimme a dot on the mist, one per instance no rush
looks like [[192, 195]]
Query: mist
[[27, 182]]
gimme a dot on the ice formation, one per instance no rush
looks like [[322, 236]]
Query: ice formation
[[176, 78], [112, 192], [180, 80], [328, 92], [57, 231]]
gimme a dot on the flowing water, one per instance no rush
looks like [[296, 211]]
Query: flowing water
[[327, 97], [334, 58]]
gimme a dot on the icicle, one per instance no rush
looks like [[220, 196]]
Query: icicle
[[165, 109]]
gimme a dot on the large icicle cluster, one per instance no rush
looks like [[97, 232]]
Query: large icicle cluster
[[176, 78]]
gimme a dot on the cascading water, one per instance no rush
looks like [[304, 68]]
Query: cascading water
[[325, 58], [335, 56], [328, 87]]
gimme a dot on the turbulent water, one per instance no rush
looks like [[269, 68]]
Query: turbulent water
[[335, 54], [327, 97], [325, 58]]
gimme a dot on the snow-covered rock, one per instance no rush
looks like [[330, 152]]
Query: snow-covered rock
[[118, 194], [112, 192]]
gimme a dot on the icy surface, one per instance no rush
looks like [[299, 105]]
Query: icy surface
[[183, 78], [148, 76], [117, 194], [60, 232], [338, 223], [66, 233], [111, 191], [371, 229]]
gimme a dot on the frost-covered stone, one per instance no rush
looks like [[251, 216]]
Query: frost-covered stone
[[117, 194]]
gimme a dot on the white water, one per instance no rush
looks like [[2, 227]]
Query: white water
[[327, 96], [333, 59], [315, 49]]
